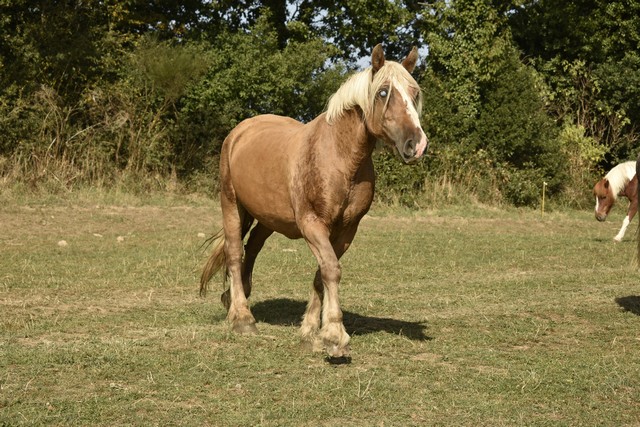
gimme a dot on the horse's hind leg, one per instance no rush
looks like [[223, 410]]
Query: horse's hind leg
[[258, 236], [251, 249], [311, 320], [233, 218], [254, 245]]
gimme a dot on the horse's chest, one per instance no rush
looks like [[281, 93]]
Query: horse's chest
[[355, 203], [339, 199]]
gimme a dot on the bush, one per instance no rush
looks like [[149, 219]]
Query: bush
[[508, 149], [396, 182], [583, 154], [522, 187], [250, 76]]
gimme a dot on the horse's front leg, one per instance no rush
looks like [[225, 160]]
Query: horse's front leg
[[631, 212], [633, 208], [623, 229], [333, 334]]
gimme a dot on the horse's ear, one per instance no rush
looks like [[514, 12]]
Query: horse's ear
[[377, 58], [410, 61], [606, 184]]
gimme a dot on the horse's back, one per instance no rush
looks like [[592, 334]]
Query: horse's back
[[267, 122], [626, 170], [262, 134]]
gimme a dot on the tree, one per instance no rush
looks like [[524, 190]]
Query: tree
[[249, 75], [484, 108], [54, 43], [354, 27], [588, 52]]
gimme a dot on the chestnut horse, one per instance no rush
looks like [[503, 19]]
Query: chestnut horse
[[620, 181], [313, 181]]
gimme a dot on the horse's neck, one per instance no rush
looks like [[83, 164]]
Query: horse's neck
[[353, 143]]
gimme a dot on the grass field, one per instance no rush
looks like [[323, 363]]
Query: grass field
[[458, 317]]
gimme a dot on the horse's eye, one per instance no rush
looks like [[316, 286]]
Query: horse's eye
[[383, 93]]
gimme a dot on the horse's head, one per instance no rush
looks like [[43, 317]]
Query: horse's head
[[394, 115], [390, 100], [605, 198]]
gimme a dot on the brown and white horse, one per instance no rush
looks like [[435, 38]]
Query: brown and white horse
[[620, 181], [313, 181]]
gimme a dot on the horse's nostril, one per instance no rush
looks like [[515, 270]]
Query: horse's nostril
[[409, 148]]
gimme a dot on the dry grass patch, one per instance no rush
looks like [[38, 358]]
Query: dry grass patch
[[481, 318]]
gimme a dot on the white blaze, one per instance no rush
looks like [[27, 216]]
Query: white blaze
[[411, 111]]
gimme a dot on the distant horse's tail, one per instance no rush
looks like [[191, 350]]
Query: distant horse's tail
[[215, 262]]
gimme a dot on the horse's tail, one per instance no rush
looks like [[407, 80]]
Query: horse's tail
[[215, 262]]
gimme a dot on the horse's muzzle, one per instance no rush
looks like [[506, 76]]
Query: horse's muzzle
[[413, 149], [601, 217]]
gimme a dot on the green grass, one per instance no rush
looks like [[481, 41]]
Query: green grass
[[491, 317]]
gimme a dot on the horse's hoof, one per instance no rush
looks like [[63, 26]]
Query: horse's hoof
[[336, 352], [244, 328], [338, 356]]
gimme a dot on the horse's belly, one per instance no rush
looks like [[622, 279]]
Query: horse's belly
[[280, 225], [272, 213]]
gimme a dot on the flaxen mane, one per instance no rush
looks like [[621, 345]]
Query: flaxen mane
[[359, 90]]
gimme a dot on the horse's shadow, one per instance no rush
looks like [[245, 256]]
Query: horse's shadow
[[285, 311], [630, 303]]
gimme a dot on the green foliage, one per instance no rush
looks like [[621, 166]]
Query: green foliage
[[485, 105], [166, 106], [158, 75], [587, 52], [353, 26], [617, 106], [249, 76], [50, 52], [397, 183], [468, 39], [584, 150], [167, 68], [57, 44], [513, 126], [521, 186], [583, 154], [517, 93], [362, 24]]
